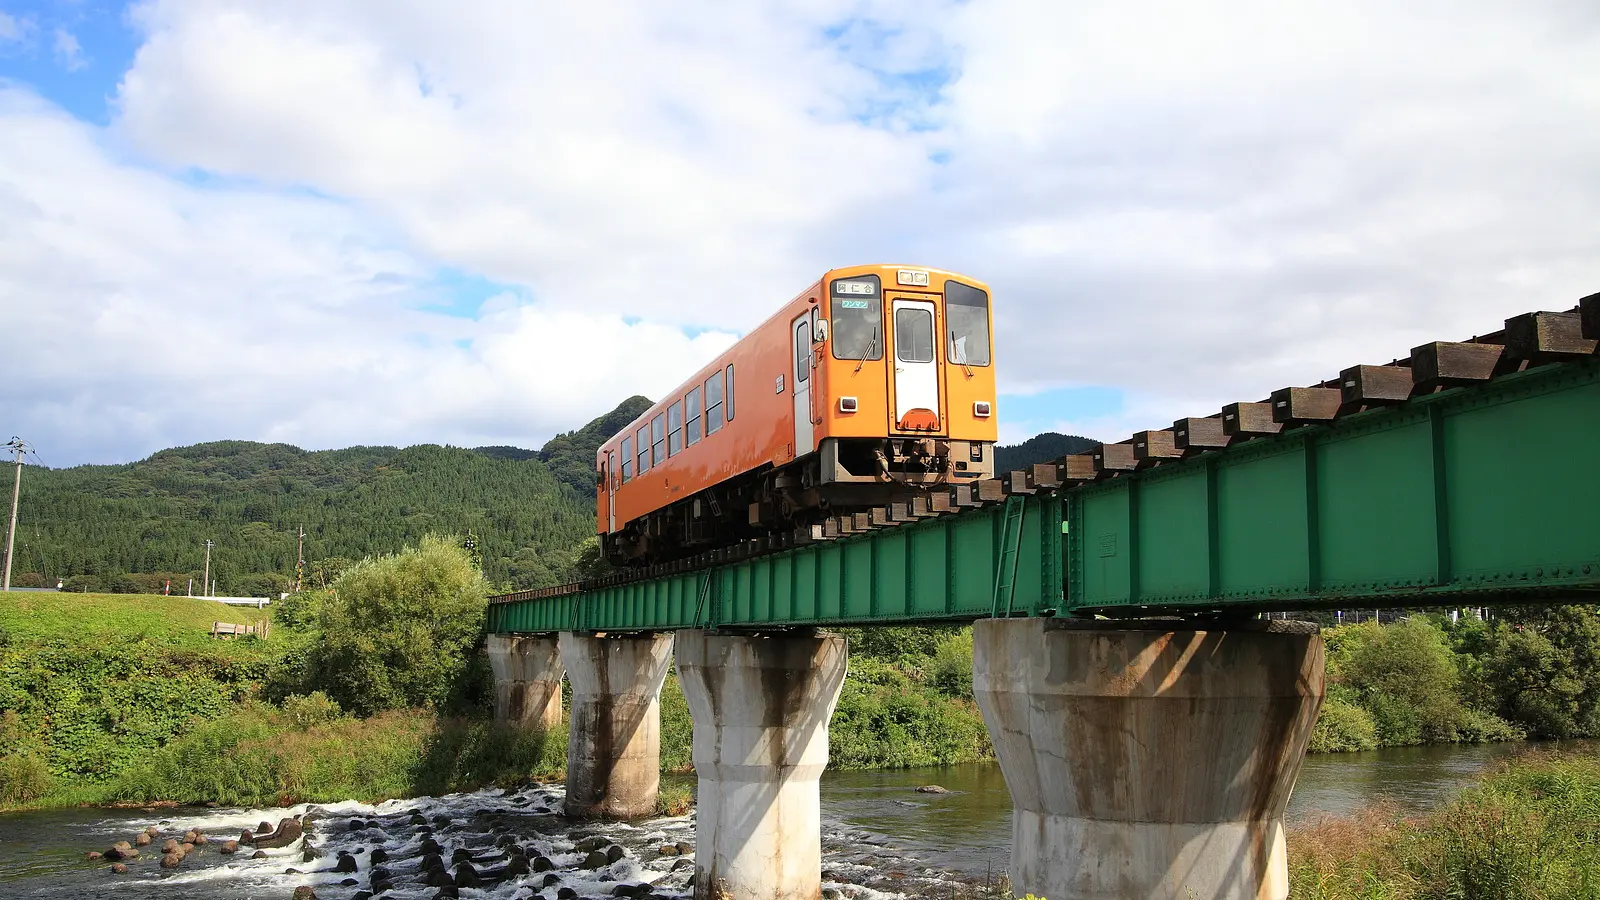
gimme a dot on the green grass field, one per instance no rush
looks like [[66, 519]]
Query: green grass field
[[173, 620]]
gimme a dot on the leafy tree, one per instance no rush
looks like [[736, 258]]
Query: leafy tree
[[398, 629], [1406, 676], [1543, 667]]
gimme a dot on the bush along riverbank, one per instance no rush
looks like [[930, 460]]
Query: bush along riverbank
[[1530, 829], [1530, 672]]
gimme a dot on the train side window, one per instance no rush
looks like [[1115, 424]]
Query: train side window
[[729, 401], [714, 404], [967, 313], [627, 460], [675, 429], [644, 449], [658, 440], [691, 408]]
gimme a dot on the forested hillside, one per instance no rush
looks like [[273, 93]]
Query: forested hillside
[[132, 527], [1046, 447]]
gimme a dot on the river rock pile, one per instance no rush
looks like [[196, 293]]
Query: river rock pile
[[495, 845]]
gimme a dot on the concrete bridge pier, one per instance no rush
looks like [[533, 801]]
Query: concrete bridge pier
[[761, 706], [614, 742], [1145, 759], [527, 679]]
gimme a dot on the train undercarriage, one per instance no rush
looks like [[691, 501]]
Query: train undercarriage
[[844, 475]]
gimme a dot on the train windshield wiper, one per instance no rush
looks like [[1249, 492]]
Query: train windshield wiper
[[872, 343]]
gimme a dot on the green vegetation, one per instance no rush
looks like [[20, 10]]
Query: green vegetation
[[902, 705], [264, 755], [140, 704], [90, 685], [1047, 447], [1531, 672], [1531, 829], [133, 528], [179, 621], [396, 631]]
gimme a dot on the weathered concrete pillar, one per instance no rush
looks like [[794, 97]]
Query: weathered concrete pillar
[[760, 707], [1148, 760], [527, 679], [614, 742]]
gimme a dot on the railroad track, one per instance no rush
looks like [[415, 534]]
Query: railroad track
[[1527, 340]]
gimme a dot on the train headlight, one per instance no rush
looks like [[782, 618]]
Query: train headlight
[[981, 409], [847, 404]]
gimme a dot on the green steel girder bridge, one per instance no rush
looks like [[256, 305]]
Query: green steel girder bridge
[[1465, 474]]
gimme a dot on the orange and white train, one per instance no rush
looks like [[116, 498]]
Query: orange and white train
[[872, 384]]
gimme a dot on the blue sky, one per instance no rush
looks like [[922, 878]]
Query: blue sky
[[334, 223], [84, 82]]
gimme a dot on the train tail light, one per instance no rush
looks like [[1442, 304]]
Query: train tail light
[[981, 409], [847, 404]]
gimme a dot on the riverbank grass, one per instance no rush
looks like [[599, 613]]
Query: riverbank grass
[[64, 616], [1530, 829]]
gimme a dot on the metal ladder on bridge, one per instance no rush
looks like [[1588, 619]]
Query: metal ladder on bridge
[[1005, 576]]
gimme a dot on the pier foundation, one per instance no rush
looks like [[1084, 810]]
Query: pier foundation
[[527, 679], [614, 742], [761, 706], [1148, 760]]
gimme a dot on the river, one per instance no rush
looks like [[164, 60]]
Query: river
[[880, 838]]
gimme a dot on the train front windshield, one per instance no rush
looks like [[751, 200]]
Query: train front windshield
[[967, 311], [857, 313]]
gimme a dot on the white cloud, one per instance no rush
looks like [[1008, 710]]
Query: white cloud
[[12, 29], [143, 312], [1195, 203], [68, 51], [619, 156]]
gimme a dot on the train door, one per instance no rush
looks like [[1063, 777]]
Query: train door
[[916, 371], [800, 331], [611, 477]]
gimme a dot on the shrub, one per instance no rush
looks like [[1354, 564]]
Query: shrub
[[24, 777], [307, 710], [397, 630], [300, 610], [951, 671], [1343, 727]]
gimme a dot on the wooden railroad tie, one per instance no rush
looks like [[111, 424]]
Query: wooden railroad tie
[[1076, 468], [1154, 447], [1249, 420], [1111, 459], [1305, 406], [1447, 364], [1197, 435], [1589, 314], [1542, 337], [1364, 386]]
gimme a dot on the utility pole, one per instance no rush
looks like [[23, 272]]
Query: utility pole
[[300, 560], [17, 446], [207, 579]]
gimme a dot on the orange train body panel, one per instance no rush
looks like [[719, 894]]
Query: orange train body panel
[[759, 375]]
